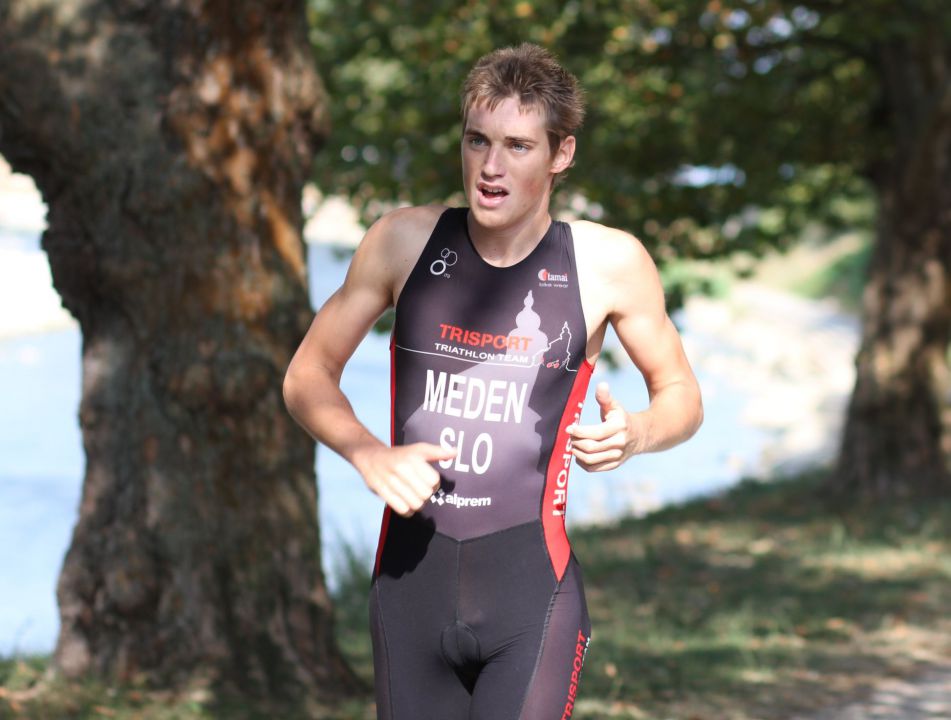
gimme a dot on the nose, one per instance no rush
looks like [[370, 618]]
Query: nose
[[492, 165]]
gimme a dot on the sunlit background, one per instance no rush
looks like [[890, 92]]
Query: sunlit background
[[773, 354]]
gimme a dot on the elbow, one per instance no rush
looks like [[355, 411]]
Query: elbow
[[698, 412], [289, 389]]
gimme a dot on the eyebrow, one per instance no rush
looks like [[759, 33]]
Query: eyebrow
[[508, 138]]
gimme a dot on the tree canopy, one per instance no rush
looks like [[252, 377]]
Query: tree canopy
[[713, 126]]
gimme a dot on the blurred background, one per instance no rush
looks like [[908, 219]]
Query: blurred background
[[189, 180], [774, 353]]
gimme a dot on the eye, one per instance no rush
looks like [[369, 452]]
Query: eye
[[477, 141]]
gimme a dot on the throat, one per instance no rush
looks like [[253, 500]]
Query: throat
[[504, 247]]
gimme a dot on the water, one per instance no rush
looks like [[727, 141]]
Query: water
[[42, 462]]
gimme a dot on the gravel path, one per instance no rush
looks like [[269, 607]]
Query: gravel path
[[924, 697]]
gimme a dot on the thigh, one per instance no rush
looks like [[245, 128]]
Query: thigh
[[537, 679], [411, 680]]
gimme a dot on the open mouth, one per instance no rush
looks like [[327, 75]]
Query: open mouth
[[492, 193]]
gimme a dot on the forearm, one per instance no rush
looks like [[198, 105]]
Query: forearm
[[674, 415], [314, 399]]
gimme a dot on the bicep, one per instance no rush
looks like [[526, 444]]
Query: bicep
[[646, 332], [347, 316], [654, 346], [380, 265], [338, 328]]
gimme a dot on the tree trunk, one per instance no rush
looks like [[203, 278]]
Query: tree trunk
[[171, 141], [897, 440]]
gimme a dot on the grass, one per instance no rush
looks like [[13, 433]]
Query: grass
[[759, 603], [821, 268]]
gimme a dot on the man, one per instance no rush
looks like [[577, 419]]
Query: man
[[477, 607]]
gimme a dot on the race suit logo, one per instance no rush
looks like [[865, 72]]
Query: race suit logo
[[447, 258], [547, 278], [581, 649], [441, 497]]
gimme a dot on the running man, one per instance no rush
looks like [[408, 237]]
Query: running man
[[477, 606]]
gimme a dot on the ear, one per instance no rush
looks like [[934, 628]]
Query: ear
[[563, 155]]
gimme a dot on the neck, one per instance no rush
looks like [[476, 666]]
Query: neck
[[505, 246]]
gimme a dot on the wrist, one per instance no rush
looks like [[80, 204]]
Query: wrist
[[359, 455], [637, 430]]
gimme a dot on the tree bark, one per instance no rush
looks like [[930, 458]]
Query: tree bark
[[171, 141], [897, 439]]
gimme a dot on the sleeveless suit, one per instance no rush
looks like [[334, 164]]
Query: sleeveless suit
[[477, 605]]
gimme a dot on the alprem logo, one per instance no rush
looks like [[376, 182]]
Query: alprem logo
[[441, 497], [546, 276], [447, 258]]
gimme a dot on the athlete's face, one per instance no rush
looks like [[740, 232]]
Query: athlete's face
[[508, 165]]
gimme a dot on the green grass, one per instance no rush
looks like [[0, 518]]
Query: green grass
[[752, 604], [843, 279], [756, 604]]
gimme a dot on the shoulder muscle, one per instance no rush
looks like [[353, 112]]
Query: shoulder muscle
[[619, 266], [389, 250]]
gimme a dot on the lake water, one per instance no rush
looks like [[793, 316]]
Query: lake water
[[42, 462]]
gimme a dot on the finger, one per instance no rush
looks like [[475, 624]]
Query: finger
[[603, 395], [413, 495], [594, 446], [396, 503], [606, 401], [432, 453], [415, 483], [424, 480], [598, 458], [600, 467], [601, 431]]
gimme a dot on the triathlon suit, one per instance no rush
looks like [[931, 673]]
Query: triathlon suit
[[477, 607]]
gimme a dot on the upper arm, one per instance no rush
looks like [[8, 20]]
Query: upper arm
[[379, 267], [638, 313]]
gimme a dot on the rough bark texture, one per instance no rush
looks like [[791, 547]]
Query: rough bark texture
[[170, 141], [897, 439]]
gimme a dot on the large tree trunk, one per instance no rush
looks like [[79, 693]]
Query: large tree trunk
[[897, 439], [170, 141]]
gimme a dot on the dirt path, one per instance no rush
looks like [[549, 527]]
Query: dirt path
[[924, 697]]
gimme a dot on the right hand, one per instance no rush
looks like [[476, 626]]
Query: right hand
[[403, 476]]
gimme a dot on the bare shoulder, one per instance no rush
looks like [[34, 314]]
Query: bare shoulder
[[399, 231], [610, 254], [390, 248]]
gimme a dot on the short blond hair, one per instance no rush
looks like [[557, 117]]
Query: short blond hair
[[533, 75]]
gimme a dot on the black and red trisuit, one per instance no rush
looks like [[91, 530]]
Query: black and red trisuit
[[477, 608]]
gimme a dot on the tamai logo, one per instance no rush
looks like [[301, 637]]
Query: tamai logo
[[545, 276], [447, 258]]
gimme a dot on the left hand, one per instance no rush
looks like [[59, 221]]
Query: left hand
[[606, 445]]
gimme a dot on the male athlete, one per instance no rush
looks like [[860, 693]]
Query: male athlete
[[477, 607]]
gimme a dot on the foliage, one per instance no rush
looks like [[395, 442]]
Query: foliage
[[714, 126]]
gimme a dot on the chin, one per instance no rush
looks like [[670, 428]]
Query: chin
[[488, 218]]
